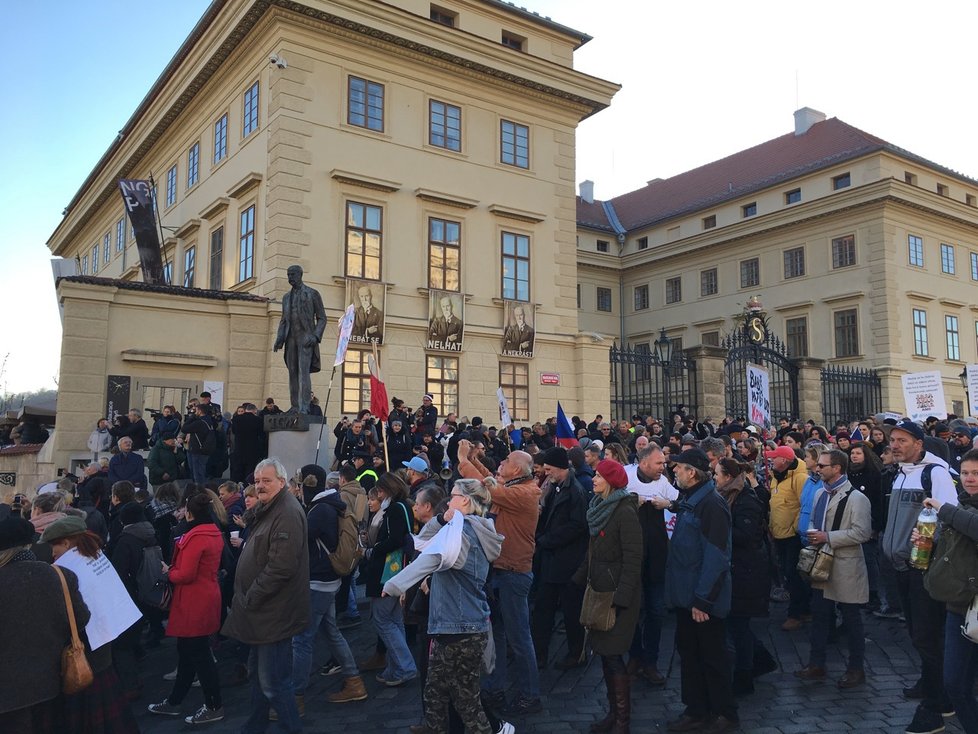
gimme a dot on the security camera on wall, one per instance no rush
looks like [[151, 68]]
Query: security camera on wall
[[276, 60]]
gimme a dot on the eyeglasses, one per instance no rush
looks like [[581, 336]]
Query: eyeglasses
[[823, 466]]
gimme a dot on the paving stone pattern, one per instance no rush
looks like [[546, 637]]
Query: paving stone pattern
[[572, 700]]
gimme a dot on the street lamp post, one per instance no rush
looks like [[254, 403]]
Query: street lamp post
[[663, 352]]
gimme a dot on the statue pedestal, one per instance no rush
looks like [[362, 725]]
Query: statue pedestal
[[292, 439]]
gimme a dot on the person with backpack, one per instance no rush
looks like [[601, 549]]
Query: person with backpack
[[199, 441], [333, 552]]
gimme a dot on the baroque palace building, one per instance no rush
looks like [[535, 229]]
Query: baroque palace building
[[863, 254], [416, 159]]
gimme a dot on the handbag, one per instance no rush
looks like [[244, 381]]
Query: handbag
[[597, 608], [76, 673], [815, 563], [970, 627], [394, 561]]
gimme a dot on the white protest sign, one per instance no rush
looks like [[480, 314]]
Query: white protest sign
[[923, 393], [972, 389], [758, 396], [504, 417], [112, 609]]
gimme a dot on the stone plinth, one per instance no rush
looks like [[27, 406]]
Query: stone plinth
[[292, 439]]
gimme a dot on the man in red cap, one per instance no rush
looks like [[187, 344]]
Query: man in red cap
[[788, 475]]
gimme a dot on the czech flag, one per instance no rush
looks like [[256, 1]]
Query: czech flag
[[856, 435], [378, 390], [565, 431]]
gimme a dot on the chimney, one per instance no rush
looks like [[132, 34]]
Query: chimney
[[805, 118], [586, 189]]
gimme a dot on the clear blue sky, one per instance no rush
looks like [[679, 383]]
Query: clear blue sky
[[699, 82]]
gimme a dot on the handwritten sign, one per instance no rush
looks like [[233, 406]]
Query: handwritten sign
[[923, 393], [758, 396]]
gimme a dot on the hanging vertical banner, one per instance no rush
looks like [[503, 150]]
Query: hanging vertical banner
[[446, 321], [343, 337], [138, 199], [368, 317], [518, 329], [923, 393], [758, 396]]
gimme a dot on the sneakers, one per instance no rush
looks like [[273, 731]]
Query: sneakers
[[163, 708], [394, 682], [506, 728], [524, 706], [926, 721], [330, 668], [205, 715]]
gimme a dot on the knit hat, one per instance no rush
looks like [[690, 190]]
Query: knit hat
[[908, 426], [15, 531], [695, 458], [313, 477], [131, 512], [68, 525], [613, 473], [556, 457], [959, 426]]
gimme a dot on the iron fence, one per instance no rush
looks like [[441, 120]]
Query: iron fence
[[850, 393], [642, 384]]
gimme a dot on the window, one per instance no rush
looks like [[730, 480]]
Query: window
[[643, 361], [710, 222], [193, 165], [796, 336], [365, 104], [970, 200], [445, 125], [794, 262], [95, 259], [246, 248], [445, 17], [171, 185], [846, 333], [168, 273], [442, 383], [514, 144], [513, 41], [710, 339], [120, 235], [221, 139], [677, 344], [920, 332], [249, 120], [843, 251], [750, 273], [578, 295], [514, 379], [708, 282], [84, 265], [604, 299], [749, 210], [106, 248], [516, 267], [217, 259], [792, 197], [953, 340], [189, 266], [947, 259], [974, 265], [916, 247], [641, 297], [841, 181], [602, 245], [356, 381], [643, 243], [910, 178], [444, 254], [674, 290], [942, 190], [364, 235]]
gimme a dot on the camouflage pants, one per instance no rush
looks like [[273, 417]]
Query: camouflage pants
[[454, 670]]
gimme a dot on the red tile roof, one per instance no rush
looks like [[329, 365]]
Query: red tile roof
[[22, 448], [825, 144]]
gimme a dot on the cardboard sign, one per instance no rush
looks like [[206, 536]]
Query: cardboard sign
[[758, 396], [972, 389]]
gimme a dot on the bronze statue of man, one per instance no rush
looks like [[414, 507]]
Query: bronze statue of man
[[300, 331]]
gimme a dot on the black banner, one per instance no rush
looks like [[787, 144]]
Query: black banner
[[138, 198], [117, 396]]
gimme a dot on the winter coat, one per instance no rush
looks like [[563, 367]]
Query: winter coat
[[323, 525], [390, 537], [139, 434], [870, 483], [164, 428], [399, 447], [812, 485], [271, 583], [34, 631], [614, 562], [848, 583], [127, 554], [786, 499], [964, 520], [562, 535], [749, 577], [196, 607], [167, 460], [99, 440], [129, 468]]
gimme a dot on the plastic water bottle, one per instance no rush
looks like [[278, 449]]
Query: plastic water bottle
[[921, 550]]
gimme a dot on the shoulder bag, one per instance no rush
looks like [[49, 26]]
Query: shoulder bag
[[396, 559], [76, 673], [815, 562], [597, 608]]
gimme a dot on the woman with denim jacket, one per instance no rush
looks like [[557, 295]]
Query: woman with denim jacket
[[457, 548]]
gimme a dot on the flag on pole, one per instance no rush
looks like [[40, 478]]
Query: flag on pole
[[504, 416], [343, 339], [378, 390], [565, 431]]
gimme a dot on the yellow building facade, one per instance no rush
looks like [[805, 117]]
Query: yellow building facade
[[413, 152]]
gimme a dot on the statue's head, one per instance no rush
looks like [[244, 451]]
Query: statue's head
[[295, 275]]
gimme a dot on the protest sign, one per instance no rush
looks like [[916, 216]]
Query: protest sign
[[111, 607], [758, 396], [923, 393]]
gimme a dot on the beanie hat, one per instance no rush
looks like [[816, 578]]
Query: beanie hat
[[131, 512], [613, 473], [313, 477], [15, 531], [556, 457]]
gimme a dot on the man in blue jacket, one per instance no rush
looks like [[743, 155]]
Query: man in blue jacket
[[127, 466], [698, 587]]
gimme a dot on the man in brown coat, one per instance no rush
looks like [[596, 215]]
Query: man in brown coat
[[271, 597]]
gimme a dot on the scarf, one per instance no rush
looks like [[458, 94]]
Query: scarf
[[230, 500], [599, 511], [731, 490], [42, 521]]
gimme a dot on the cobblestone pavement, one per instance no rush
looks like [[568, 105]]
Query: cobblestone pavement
[[572, 700]]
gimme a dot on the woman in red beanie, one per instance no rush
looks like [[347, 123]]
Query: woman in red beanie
[[614, 564]]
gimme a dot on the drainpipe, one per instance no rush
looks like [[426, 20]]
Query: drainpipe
[[612, 215]]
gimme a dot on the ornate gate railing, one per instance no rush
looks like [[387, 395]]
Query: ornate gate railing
[[641, 384], [769, 352]]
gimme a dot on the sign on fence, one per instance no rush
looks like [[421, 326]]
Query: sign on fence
[[758, 396]]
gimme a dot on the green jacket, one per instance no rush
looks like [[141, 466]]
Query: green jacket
[[164, 460]]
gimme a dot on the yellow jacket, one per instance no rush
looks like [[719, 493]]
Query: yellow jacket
[[786, 500]]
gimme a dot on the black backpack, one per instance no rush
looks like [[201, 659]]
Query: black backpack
[[152, 587]]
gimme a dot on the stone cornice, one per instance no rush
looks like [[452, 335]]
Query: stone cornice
[[521, 215], [245, 185], [436, 197], [364, 181]]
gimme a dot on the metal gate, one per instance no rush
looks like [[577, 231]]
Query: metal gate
[[850, 393], [641, 384], [763, 348]]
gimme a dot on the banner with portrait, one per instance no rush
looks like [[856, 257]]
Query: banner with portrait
[[518, 329], [369, 301], [446, 321]]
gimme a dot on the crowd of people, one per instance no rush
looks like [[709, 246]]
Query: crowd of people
[[477, 549]]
